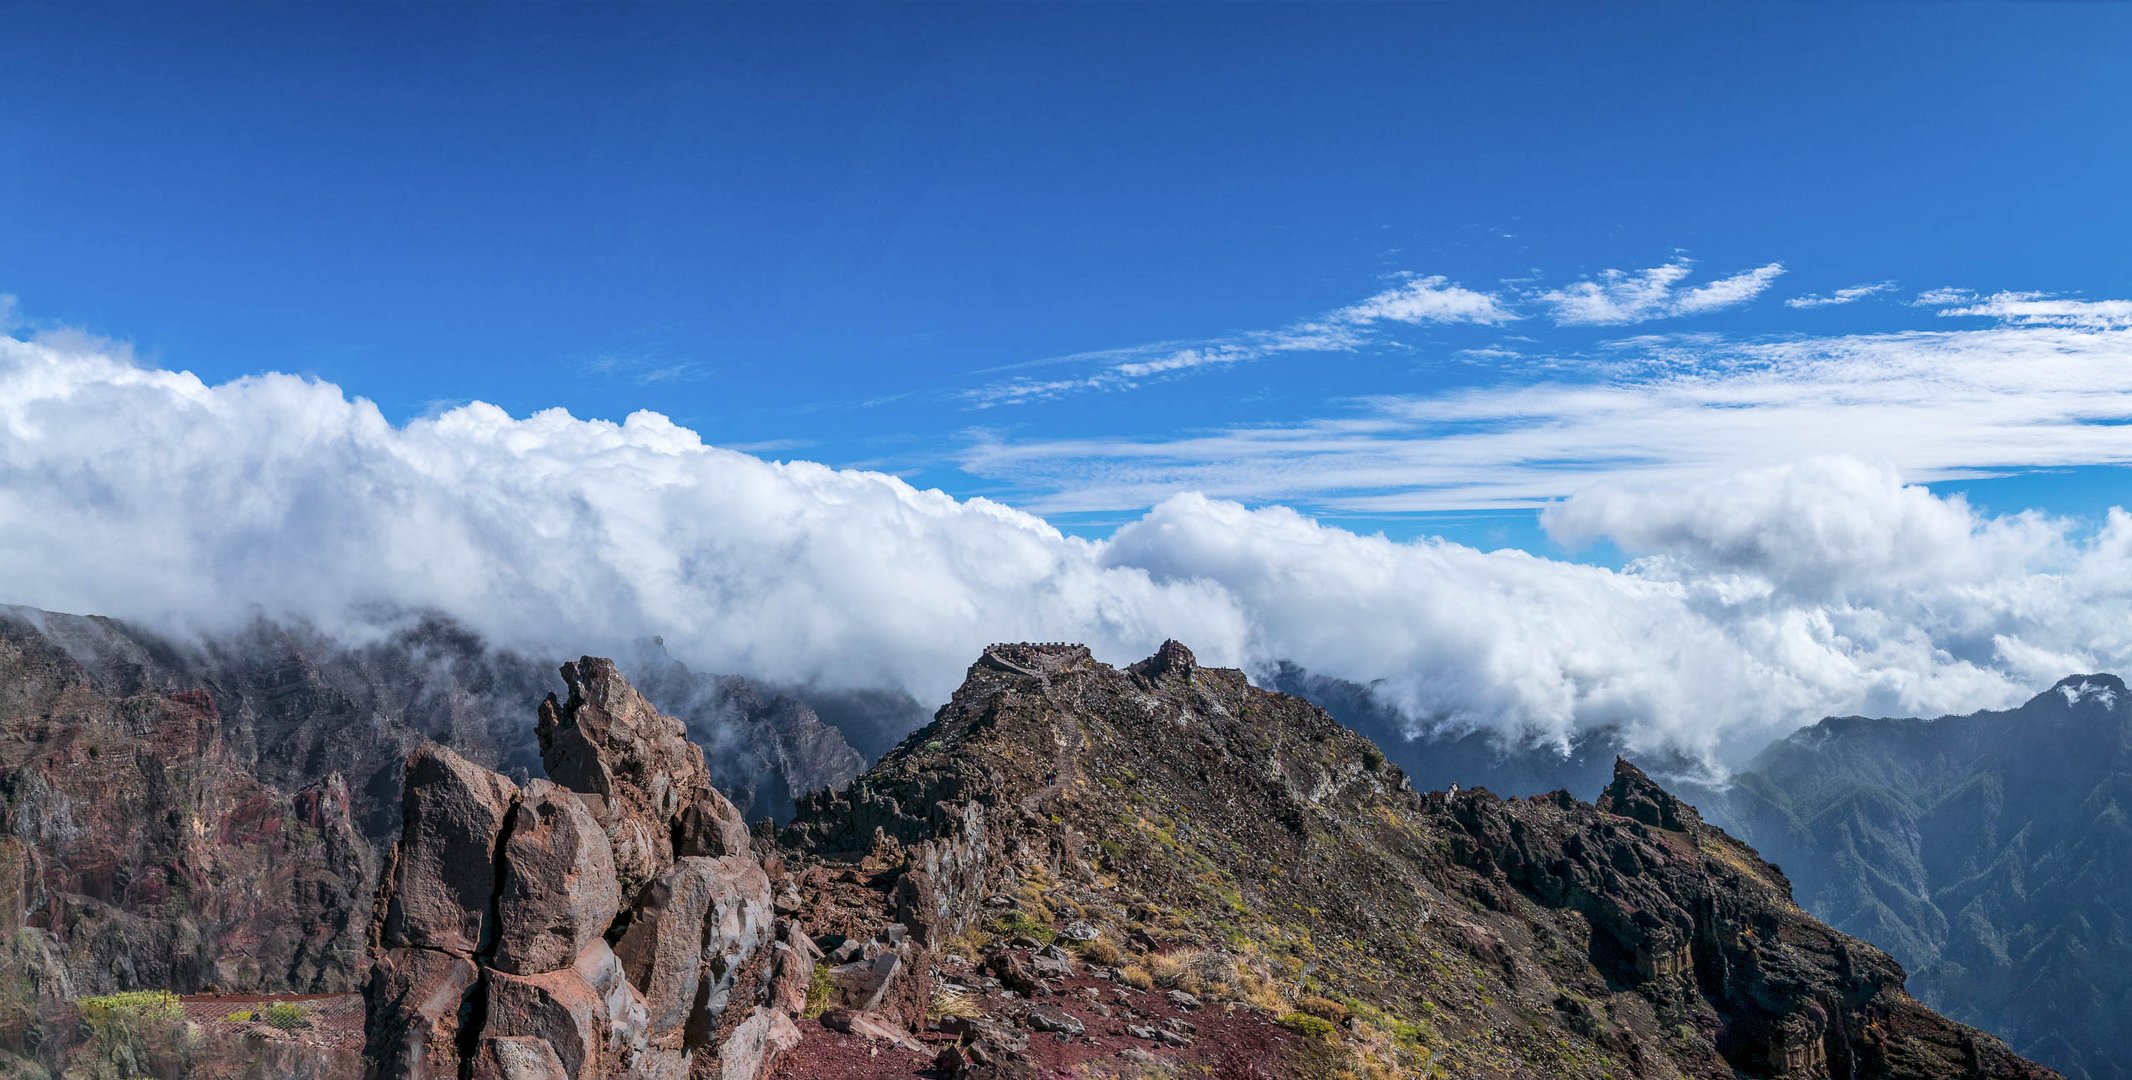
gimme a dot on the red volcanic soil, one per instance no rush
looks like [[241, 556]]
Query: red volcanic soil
[[1232, 1042]]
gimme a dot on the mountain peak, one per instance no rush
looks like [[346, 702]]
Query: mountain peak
[[2100, 689], [1240, 829], [1172, 660], [1635, 795]]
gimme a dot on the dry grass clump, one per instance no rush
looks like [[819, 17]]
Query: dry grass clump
[[1137, 976], [1102, 951], [1324, 1008], [1211, 973], [948, 1001]]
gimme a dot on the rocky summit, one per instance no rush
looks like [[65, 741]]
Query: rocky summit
[[1178, 831]]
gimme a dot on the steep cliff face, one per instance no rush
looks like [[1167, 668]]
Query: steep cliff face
[[1178, 807], [610, 921], [213, 813], [149, 855], [1991, 853]]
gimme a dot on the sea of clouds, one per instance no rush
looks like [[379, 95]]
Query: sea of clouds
[[1755, 603]]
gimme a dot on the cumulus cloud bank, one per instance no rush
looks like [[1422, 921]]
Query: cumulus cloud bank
[[1758, 603]]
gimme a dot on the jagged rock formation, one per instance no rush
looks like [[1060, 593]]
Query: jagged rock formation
[[214, 813], [610, 921], [1169, 805], [1990, 853]]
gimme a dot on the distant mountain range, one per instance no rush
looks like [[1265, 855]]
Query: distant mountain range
[[1990, 853]]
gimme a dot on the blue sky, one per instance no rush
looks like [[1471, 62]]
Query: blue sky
[[1080, 258]]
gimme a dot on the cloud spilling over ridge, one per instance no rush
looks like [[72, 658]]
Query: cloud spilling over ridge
[[1760, 602]]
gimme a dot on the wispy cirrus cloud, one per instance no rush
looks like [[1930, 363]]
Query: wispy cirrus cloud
[[1413, 300], [1619, 297], [2043, 309], [1936, 404], [645, 368], [1849, 295], [1614, 298]]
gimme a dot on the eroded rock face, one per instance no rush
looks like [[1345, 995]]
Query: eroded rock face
[[146, 853], [493, 953], [444, 868]]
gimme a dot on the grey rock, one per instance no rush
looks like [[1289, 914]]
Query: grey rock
[[517, 1057], [699, 910], [1058, 1021], [861, 984]]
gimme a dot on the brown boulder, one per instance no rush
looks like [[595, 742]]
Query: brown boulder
[[556, 1007], [414, 1001], [444, 872], [517, 1057], [558, 892]]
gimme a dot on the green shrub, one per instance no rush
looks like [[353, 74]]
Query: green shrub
[[132, 1005], [818, 993], [1324, 1008], [285, 1015], [1015, 923], [1316, 1027]]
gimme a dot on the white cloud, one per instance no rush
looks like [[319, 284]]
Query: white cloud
[[1942, 296], [1761, 600], [2037, 309], [1428, 299], [1848, 295], [1937, 405], [1414, 300], [1618, 297], [149, 494]]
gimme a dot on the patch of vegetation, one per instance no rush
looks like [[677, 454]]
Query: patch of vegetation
[[285, 1015], [1315, 1027], [1324, 1008], [819, 992], [1102, 951], [132, 1005], [1022, 924]]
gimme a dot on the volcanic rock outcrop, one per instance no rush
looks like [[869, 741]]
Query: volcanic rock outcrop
[[610, 921]]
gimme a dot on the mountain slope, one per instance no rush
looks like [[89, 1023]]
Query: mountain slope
[[1169, 803], [1990, 853]]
